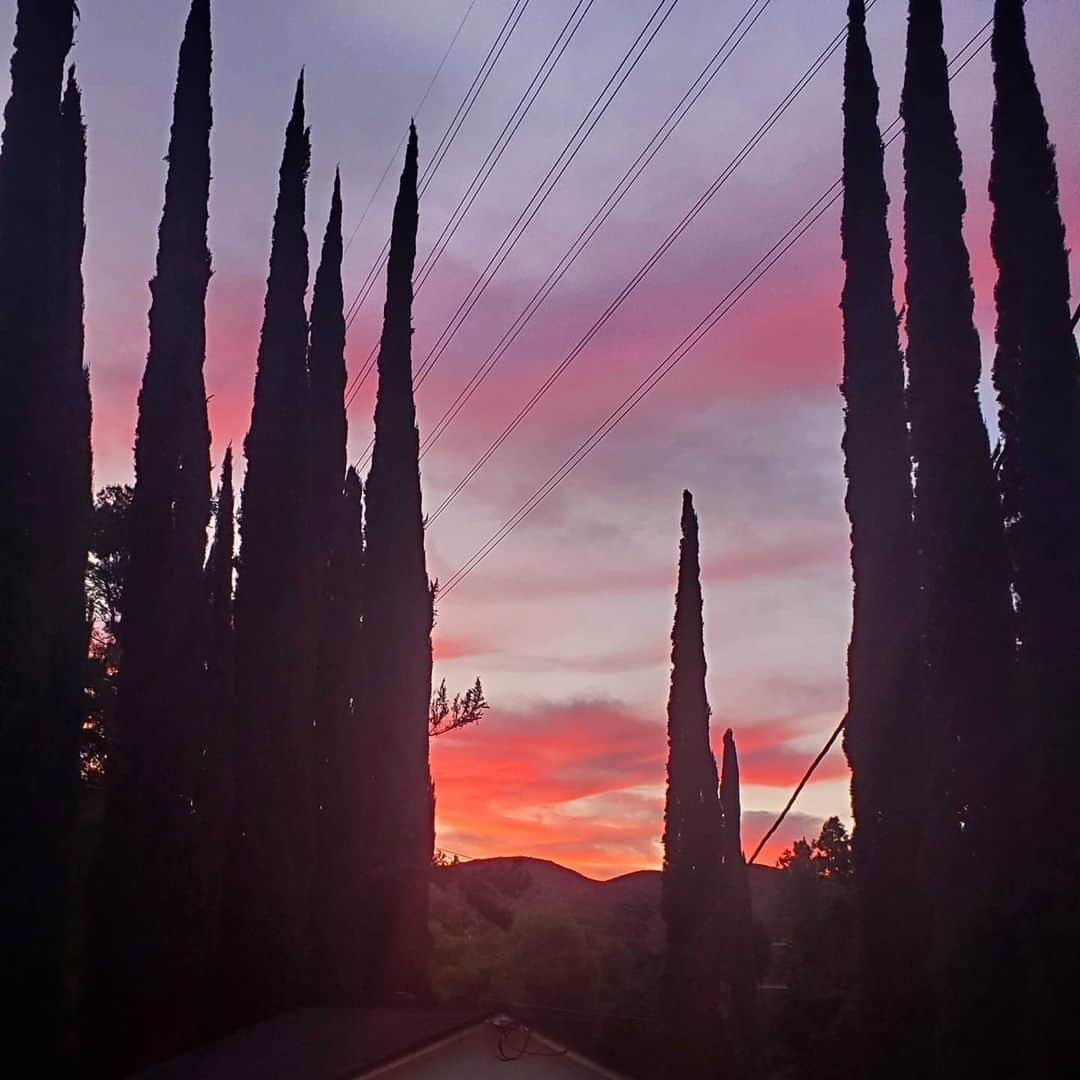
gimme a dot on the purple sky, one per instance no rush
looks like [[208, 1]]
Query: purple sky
[[568, 621]]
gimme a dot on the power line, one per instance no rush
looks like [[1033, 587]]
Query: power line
[[416, 113], [623, 70], [793, 234], [510, 128], [798, 791], [599, 217], [477, 85], [655, 22], [746, 283], [487, 166], [487, 65], [642, 272]]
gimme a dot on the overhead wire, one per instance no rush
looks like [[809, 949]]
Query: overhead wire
[[509, 129], [822, 753], [593, 115], [642, 272], [461, 114], [416, 112], [513, 122], [629, 61], [790, 237], [599, 217]]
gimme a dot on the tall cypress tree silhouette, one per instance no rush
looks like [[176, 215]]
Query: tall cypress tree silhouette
[[326, 367], [693, 831], [148, 926], [266, 930], [968, 634], [1037, 375], [75, 475], [44, 527], [339, 927], [738, 932], [344, 839], [397, 630], [215, 794], [884, 735]]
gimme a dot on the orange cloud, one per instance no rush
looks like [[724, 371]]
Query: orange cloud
[[582, 783]]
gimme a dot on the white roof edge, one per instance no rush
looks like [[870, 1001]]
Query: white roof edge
[[494, 1017]]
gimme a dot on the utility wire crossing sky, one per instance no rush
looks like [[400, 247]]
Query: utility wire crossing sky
[[726, 350]]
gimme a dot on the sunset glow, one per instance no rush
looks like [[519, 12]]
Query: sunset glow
[[567, 623]]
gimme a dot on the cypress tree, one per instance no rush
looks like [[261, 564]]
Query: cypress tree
[[968, 636], [1037, 376], [343, 926], [397, 631], [148, 929], [738, 933], [215, 791], [337, 535], [77, 471], [884, 736], [266, 930], [44, 526], [326, 368], [693, 831]]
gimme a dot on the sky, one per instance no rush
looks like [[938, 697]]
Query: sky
[[568, 621]]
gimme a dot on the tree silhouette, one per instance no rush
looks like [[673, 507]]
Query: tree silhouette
[[44, 529], [266, 929], [397, 630], [326, 367], [1037, 376], [465, 709], [343, 934], [830, 856], [884, 736], [693, 832], [968, 635], [337, 539], [214, 793], [738, 931], [148, 920]]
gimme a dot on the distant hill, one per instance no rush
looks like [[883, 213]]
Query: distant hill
[[501, 889]]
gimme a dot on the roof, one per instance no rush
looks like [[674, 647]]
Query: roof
[[336, 1044], [320, 1044]]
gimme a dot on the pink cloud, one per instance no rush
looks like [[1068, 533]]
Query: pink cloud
[[582, 783]]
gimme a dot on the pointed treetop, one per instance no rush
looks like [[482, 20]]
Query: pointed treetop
[[412, 153], [730, 799], [335, 203], [689, 517], [195, 49], [689, 580], [198, 16], [406, 212], [298, 129], [298, 100], [395, 360], [687, 633], [731, 758], [353, 487], [71, 106], [196, 45]]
